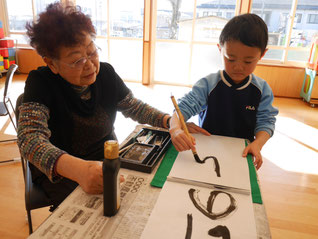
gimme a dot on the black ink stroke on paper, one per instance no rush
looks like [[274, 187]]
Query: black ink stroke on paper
[[220, 231], [216, 163], [189, 226], [208, 209]]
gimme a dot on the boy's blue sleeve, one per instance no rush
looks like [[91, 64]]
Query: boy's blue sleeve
[[196, 100], [266, 113]]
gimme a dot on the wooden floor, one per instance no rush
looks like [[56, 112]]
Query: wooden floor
[[289, 175]]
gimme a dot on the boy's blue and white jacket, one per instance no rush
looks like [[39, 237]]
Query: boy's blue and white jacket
[[229, 109]]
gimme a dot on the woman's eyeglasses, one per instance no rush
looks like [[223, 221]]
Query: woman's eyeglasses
[[82, 61]]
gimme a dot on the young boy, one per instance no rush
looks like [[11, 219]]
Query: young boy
[[232, 102]]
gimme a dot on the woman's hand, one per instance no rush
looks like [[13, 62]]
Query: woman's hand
[[92, 182], [88, 174], [91, 179]]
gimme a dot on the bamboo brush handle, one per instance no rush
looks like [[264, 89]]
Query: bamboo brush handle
[[181, 119]]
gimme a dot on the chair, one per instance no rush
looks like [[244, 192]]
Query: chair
[[4, 105], [35, 197]]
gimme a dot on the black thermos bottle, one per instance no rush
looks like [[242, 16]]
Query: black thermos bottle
[[111, 165]]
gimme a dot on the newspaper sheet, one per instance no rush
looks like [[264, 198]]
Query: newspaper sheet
[[81, 214]]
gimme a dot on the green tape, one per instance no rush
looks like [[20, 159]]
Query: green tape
[[164, 168], [256, 192]]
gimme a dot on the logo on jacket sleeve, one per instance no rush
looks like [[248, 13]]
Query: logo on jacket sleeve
[[249, 107]]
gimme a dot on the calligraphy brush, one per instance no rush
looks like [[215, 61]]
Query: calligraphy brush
[[185, 128]]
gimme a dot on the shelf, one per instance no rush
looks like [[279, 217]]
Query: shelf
[[15, 54]]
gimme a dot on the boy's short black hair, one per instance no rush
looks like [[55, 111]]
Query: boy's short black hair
[[247, 28]]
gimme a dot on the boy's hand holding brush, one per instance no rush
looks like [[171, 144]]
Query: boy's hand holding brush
[[180, 136]]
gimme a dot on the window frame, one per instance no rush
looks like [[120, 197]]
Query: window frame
[[291, 17], [149, 38]]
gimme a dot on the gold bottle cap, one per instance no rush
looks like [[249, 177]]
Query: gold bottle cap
[[111, 149]]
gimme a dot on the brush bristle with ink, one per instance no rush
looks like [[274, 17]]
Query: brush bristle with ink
[[196, 157]]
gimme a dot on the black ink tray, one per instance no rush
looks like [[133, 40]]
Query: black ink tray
[[144, 150]]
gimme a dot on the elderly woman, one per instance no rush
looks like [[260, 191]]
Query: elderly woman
[[69, 106]]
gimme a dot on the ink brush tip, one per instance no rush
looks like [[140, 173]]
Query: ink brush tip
[[197, 158]]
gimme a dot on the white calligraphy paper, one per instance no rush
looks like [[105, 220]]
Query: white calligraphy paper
[[169, 218], [233, 168]]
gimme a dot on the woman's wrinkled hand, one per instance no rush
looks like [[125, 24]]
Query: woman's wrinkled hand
[[91, 180]]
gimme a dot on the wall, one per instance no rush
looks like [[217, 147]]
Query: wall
[[284, 81], [28, 59]]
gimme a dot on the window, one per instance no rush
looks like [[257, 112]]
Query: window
[[119, 33], [229, 15], [298, 17], [312, 19], [20, 12], [126, 18], [289, 36], [98, 12], [186, 31], [118, 24]]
